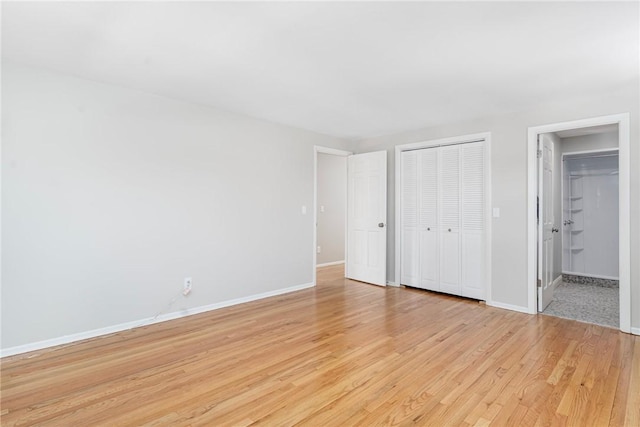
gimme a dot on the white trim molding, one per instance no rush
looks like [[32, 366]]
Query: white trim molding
[[511, 307], [68, 339], [622, 120], [327, 264], [484, 136]]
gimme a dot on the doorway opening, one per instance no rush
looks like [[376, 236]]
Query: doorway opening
[[580, 204], [365, 219], [579, 248], [330, 207]]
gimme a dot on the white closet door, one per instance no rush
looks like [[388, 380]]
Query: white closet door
[[428, 221], [449, 232], [473, 212], [410, 251]]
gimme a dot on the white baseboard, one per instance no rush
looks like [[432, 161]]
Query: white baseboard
[[595, 276], [67, 339], [557, 281], [635, 331], [327, 264], [394, 284], [508, 306]]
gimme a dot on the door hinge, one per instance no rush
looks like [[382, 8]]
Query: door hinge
[[539, 283], [539, 153]]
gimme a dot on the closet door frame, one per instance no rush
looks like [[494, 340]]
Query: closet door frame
[[463, 139]]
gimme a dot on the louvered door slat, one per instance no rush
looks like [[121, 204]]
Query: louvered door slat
[[473, 187], [410, 188], [450, 187], [428, 187], [428, 218], [473, 217], [409, 265], [449, 230]]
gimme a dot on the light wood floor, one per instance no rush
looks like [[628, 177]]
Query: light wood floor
[[341, 354]]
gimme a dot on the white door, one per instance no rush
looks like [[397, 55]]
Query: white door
[[473, 214], [545, 222], [450, 219], [428, 213], [409, 268], [367, 218]]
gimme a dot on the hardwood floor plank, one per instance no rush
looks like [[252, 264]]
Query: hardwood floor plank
[[344, 353], [623, 359], [632, 415]]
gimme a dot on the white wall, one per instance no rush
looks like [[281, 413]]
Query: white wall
[[509, 182], [598, 141], [112, 196], [332, 196], [595, 181]]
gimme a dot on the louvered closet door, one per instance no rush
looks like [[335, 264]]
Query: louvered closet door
[[428, 218], [449, 186], [472, 233], [410, 251]]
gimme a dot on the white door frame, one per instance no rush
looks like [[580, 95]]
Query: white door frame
[[333, 151], [484, 136], [622, 120]]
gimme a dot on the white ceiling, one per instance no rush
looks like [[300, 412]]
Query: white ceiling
[[349, 69]]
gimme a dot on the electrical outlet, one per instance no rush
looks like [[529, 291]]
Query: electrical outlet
[[186, 290], [319, 249]]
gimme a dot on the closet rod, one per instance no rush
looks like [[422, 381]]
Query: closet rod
[[590, 157], [445, 145], [580, 175]]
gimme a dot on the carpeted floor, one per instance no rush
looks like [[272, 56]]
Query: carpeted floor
[[586, 303]]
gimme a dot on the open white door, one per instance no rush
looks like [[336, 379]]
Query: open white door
[[545, 221], [367, 218]]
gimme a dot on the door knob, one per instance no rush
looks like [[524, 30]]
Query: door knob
[[381, 224], [554, 230]]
